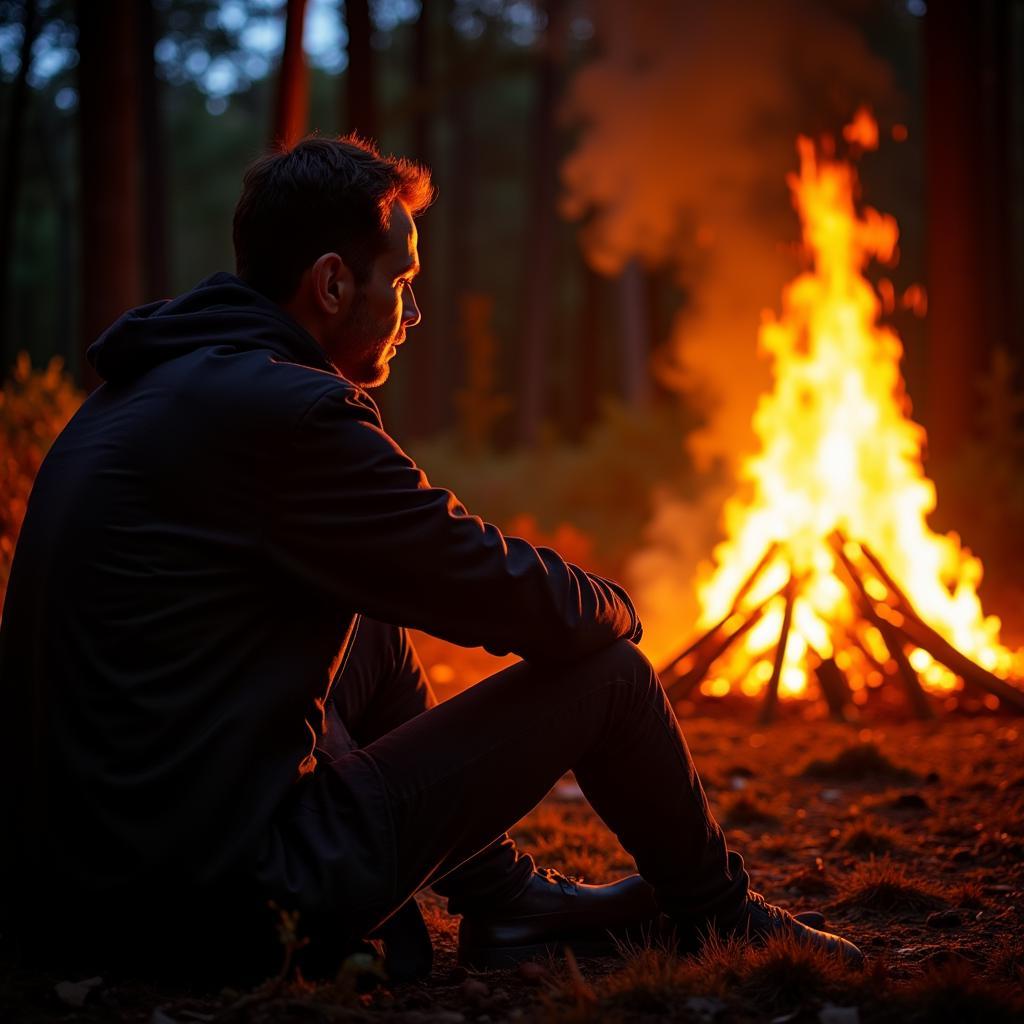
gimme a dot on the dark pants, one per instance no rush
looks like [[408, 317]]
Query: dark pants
[[456, 775]]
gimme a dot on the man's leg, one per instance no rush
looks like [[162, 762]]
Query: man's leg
[[461, 773], [383, 686]]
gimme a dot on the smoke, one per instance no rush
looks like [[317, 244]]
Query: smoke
[[688, 120]]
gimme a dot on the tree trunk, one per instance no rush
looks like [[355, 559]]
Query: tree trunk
[[422, 410], [12, 179], [108, 39], [359, 78], [970, 166], [589, 356], [635, 326], [538, 284], [155, 239], [56, 153], [292, 111], [460, 210]]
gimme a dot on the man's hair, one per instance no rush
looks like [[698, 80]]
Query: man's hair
[[322, 195]]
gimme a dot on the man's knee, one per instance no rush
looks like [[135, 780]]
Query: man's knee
[[624, 662]]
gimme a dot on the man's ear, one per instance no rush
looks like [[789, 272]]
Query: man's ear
[[334, 287]]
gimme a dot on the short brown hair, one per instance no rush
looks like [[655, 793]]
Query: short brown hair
[[322, 195]]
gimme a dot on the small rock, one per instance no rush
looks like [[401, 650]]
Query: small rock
[[704, 1008], [932, 777], [533, 972], [830, 796], [738, 782], [911, 802], [945, 957], [961, 855], [457, 975], [831, 1014], [474, 991], [75, 993], [944, 919], [159, 1016]]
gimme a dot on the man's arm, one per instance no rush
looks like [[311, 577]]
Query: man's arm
[[357, 518]]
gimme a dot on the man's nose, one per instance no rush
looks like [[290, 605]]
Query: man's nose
[[410, 310]]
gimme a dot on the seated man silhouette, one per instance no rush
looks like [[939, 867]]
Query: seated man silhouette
[[211, 702]]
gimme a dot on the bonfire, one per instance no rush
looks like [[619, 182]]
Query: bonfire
[[829, 580]]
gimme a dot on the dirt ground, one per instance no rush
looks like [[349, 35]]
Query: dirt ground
[[909, 837]]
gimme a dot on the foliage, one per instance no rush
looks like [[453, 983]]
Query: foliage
[[602, 486], [34, 407]]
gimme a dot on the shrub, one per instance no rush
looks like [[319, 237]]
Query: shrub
[[34, 407]]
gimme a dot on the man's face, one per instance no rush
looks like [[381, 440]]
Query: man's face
[[384, 308]]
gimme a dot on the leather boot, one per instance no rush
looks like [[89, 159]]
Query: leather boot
[[759, 920], [553, 912]]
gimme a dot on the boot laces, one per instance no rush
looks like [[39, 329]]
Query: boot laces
[[774, 914], [566, 883]]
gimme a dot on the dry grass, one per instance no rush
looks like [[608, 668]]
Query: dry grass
[[955, 992], [869, 837], [653, 983], [887, 888], [863, 762]]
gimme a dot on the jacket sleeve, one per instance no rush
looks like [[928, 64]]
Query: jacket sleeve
[[357, 518]]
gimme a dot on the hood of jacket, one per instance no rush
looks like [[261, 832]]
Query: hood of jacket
[[219, 311]]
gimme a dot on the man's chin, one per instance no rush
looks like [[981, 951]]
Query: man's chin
[[371, 377]]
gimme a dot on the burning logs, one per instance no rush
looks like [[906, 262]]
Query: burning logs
[[880, 604]]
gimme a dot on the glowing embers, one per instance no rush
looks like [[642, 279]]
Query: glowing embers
[[829, 580]]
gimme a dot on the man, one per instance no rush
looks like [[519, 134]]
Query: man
[[211, 700]]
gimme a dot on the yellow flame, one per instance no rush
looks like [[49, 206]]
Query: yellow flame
[[838, 451]]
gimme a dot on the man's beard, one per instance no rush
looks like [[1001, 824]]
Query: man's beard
[[365, 349]]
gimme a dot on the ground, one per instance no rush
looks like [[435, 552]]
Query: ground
[[909, 837]]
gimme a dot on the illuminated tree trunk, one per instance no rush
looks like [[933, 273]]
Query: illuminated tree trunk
[[359, 78], [12, 177], [973, 204], [538, 290], [292, 110], [111, 263]]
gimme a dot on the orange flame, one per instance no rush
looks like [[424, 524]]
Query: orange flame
[[838, 451]]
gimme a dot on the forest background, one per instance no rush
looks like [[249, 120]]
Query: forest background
[[612, 218]]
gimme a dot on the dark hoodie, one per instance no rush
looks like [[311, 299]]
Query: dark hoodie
[[198, 545]]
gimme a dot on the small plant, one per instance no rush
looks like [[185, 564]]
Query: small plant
[[786, 974], [869, 837], [955, 992], [859, 763], [882, 887]]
